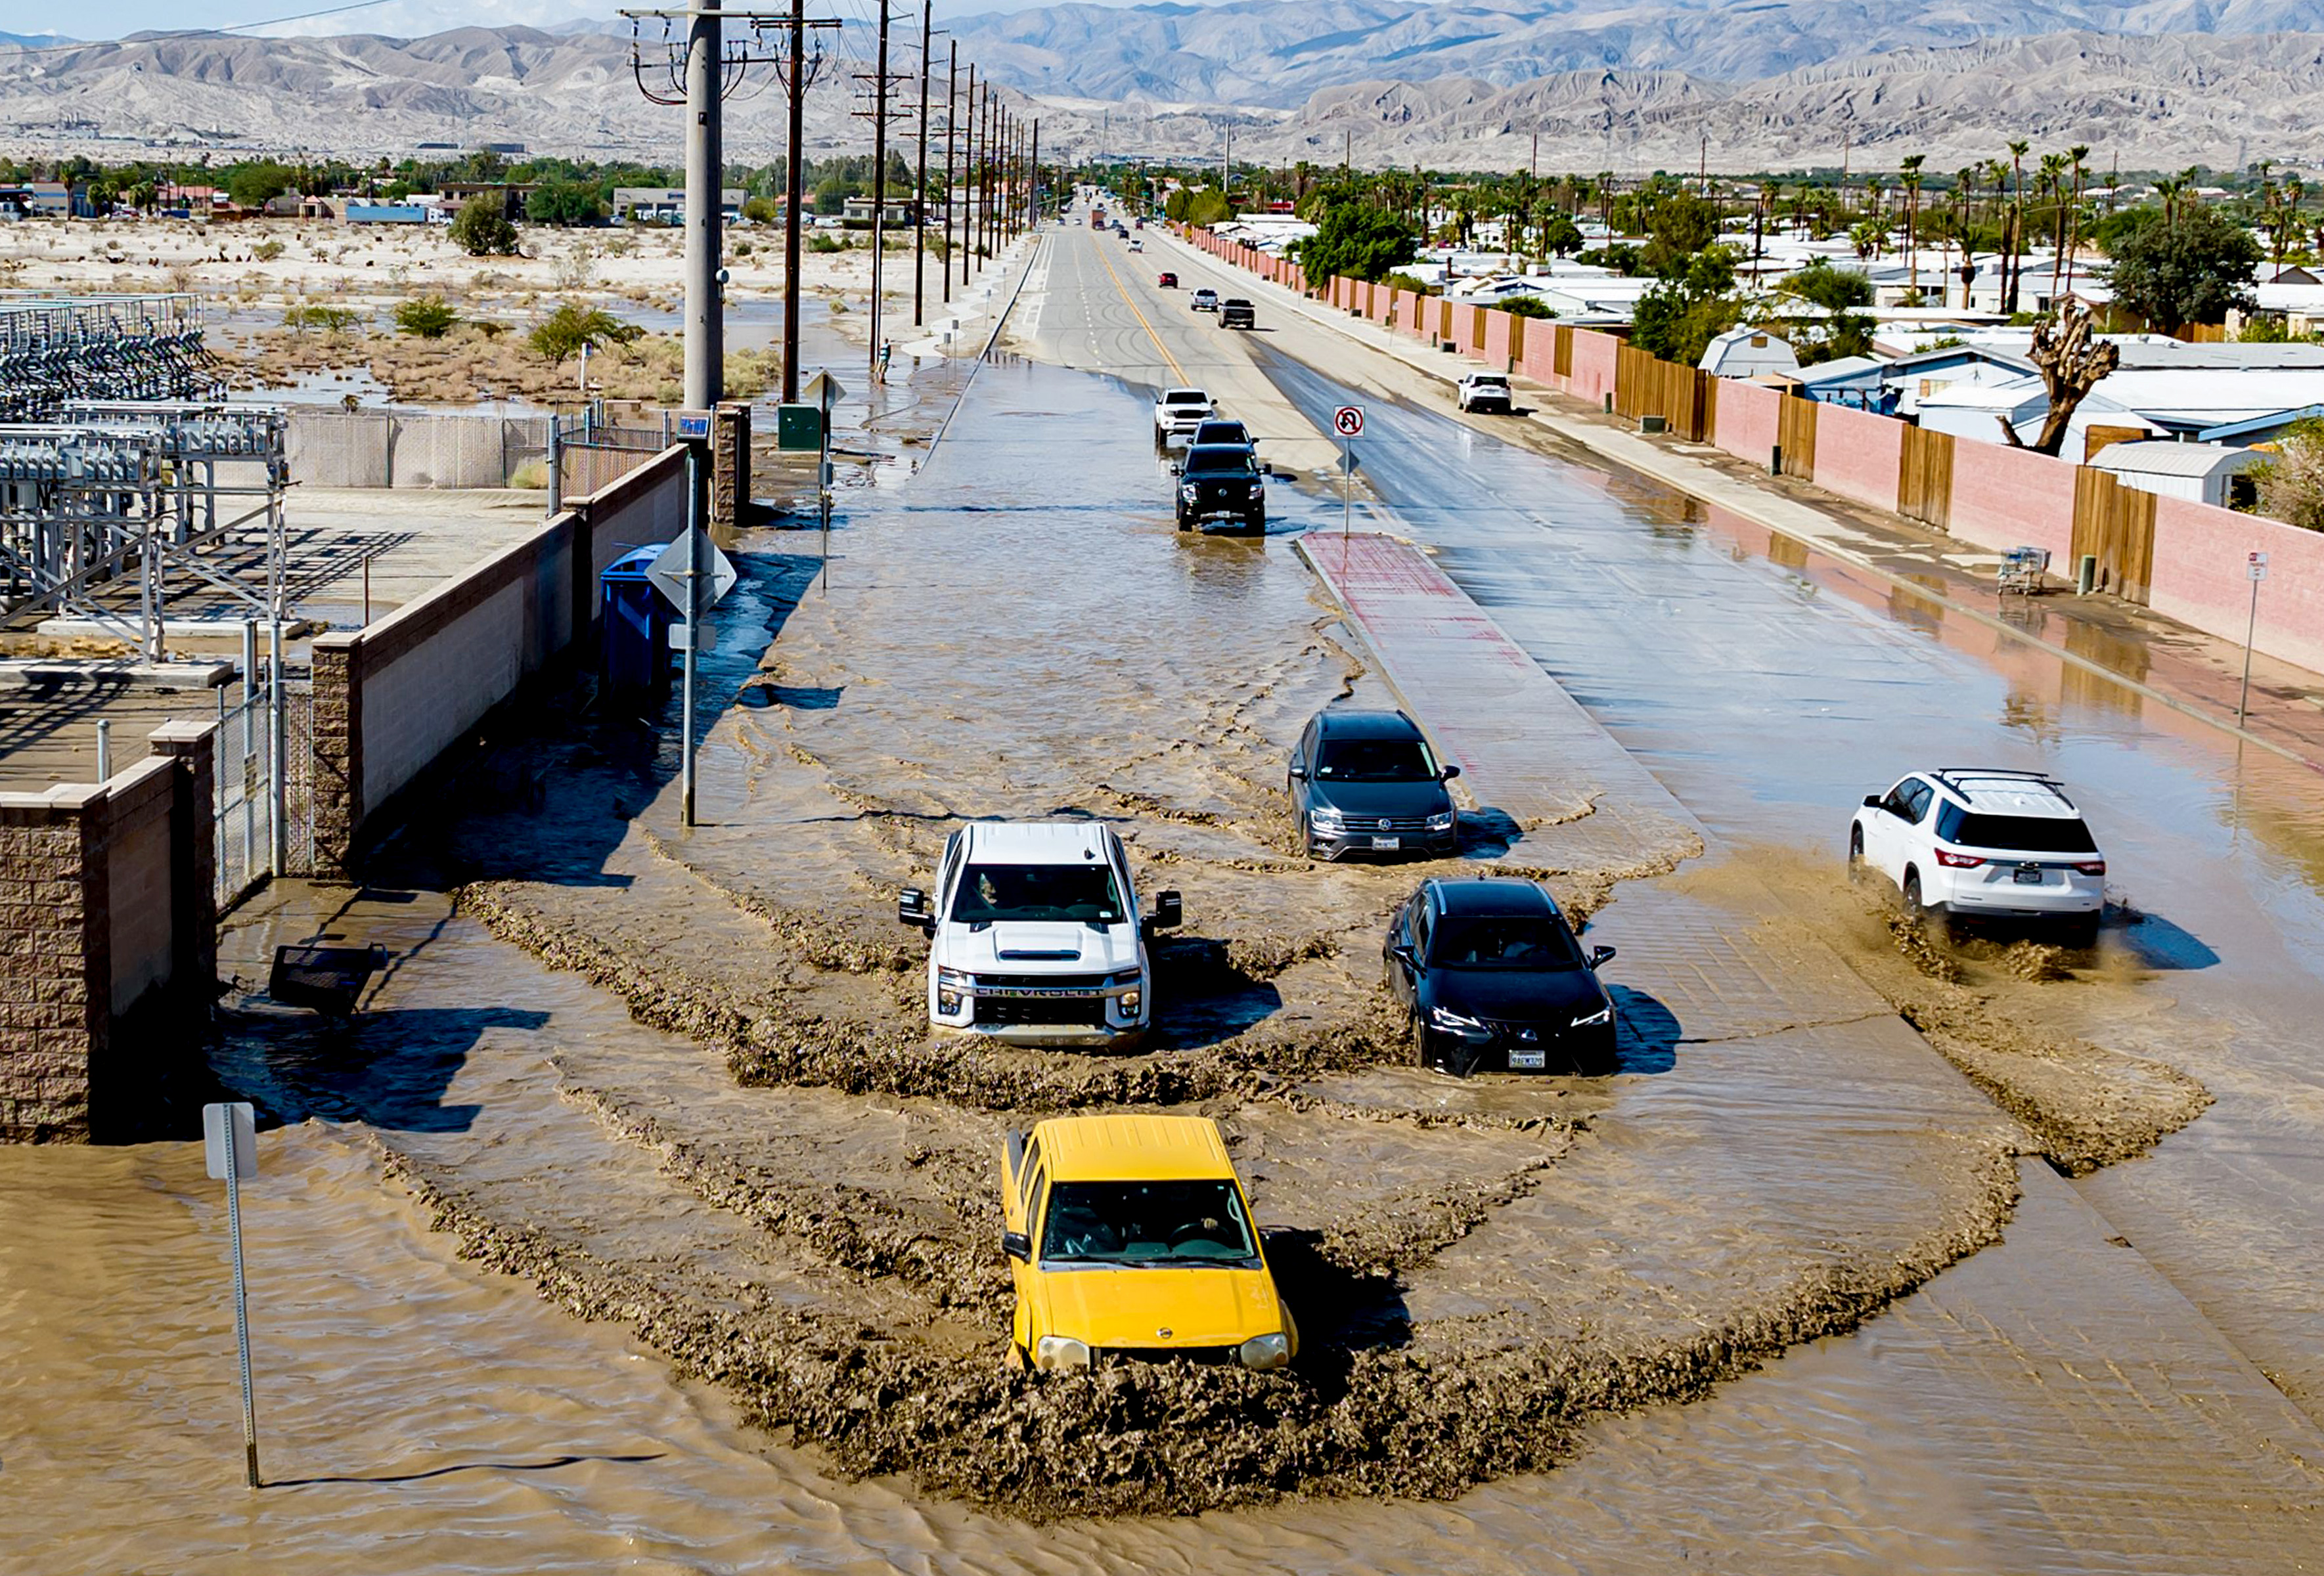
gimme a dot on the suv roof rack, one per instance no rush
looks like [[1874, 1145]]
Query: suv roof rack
[[1946, 775]]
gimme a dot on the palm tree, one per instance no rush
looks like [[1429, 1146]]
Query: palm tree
[[2167, 188], [2053, 182], [2077, 154], [1911, 168], [2011, 269]]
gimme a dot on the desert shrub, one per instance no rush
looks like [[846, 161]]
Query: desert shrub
[[571, 325], [267, 251], [429, 317]]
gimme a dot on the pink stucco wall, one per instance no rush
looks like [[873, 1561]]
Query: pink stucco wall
[[1748, 419], [1858, 454], [1498, 328], [1540, 362], [2005, 497], [2201, 578], [1464, 324], [1594, 365]]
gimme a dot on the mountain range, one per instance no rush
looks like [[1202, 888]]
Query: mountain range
[[1602, 85]]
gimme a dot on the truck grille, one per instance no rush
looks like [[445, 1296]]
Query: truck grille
[[1047, 1011], [1047, 984], [1209, 1356], [1387, 826]]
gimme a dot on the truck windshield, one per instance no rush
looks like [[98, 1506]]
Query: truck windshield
[[1074, 893], [1221, 459], [1375, 761], [1200, 1221]]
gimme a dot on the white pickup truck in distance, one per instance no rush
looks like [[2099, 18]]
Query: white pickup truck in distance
[[1178, 412], [1037, 936], [1485, 391]]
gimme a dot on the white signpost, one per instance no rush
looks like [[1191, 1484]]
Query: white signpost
[[230, 1146], [1348, 421], [695, 576], [2255, 565]]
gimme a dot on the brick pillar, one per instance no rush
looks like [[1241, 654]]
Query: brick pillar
[[730, 463], [339, 747], [193, 864], [56, 960]]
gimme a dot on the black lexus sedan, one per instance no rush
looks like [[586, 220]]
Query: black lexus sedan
[[1494, 980], [1366, 783]]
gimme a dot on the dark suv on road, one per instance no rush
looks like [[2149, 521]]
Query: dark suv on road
[[1494, 980], [1367, 782], [1235, 312], [1218, 479]]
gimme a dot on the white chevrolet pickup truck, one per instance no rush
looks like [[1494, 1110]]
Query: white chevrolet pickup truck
[[1178, 412], [1036, 937]]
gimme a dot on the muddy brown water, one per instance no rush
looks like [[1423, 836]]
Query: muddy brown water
[[529, 1107]]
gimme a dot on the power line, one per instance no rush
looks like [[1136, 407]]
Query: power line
[[211, 32]]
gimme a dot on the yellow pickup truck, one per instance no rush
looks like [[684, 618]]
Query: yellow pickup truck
[[1130, 1237]]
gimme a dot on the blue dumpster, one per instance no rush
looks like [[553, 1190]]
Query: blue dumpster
[[634, 648]]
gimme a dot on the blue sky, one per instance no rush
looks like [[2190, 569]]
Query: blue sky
[[114, 17]]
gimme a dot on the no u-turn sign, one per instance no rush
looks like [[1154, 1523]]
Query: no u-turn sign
[[1348, 420]]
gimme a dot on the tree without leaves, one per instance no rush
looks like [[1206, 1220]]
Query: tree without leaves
[[2188, 266], [2072, 359]]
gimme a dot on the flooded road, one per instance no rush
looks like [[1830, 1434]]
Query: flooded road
[[1771, 689], [677, 1121]]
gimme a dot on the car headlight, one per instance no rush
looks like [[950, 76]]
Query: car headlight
[[957, 979], [1265, 1351], [1129, 1000], [1442, 823], [1189, 494], [1603, 1015], [1445, 1018], [1258, 489], [1324, 818], [1053, 1352]]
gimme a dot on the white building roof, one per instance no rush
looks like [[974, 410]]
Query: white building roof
[[2163, 459]]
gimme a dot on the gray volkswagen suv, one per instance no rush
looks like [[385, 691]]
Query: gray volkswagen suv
[[1368, 783]]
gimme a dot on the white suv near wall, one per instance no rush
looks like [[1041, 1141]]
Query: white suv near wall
[[1036, 935], [1977, 842]]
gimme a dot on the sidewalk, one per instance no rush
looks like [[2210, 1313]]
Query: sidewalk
[[2159, 658]]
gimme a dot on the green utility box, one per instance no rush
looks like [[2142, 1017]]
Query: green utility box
[[798, 428]]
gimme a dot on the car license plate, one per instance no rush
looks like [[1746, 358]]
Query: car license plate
[[2028, 875], [1388, 842], [1529, 1060]]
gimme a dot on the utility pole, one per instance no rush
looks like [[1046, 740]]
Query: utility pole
[[968, 178], [1536, 156], [793, 199], [705, 309], [952, 192], [920, 194], [878, 179], [1033, 179]]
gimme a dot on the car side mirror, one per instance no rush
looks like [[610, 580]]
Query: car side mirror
[[1176, 469], [1018, 1246], [1448, 774], [1402, 952], [1299, 773], [1169, 912], [1599, 955], [912, 908], [1872, 801]]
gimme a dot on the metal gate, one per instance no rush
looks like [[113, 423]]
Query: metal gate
[[246, 764]]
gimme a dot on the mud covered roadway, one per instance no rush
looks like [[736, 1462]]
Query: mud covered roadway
[[785, 1185]]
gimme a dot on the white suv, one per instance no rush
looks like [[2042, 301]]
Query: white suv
[[1178, 412], [1965, 843], [1036, 935]]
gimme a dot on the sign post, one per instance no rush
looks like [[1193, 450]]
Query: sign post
[[678, 573], [1348, 421], [230, 1146], [2255, 565], [823, 390]]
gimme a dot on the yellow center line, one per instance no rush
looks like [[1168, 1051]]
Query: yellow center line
[[1107, 263]]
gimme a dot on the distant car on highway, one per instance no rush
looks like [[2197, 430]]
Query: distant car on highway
[[1136, 246], [1036, 935], [1492, 979], [1205, 299], [1367, 782], [1168, 280], [1178, 412], [1235, 312], [1980, 843], [1130, 1237], [1220, 480], [1485, 391]]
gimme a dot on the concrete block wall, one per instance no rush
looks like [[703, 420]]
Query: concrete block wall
[[391, 699], [108, 948], [400, 448]]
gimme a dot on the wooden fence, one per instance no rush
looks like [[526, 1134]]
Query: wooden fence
[[1645, 385], [1924, 480], [2115, 524]]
